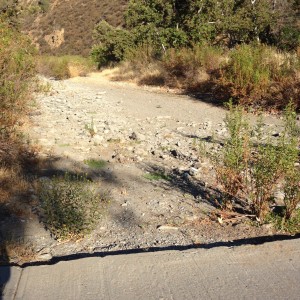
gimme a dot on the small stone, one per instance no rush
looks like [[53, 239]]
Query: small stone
[[133, 136], [186, 176], [44, 257], [174, 152], [279, 197], [167, 227], [193, 171], [97, 138]]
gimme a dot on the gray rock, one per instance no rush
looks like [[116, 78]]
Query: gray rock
[[193, 171]]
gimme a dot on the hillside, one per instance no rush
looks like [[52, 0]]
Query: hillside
[[65, 27]]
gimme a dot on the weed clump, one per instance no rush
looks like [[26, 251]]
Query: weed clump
[[155, 176], [71, 207], [95, 164]]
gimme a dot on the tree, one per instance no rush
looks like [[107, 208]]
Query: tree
[[154, 23], [111, 44]]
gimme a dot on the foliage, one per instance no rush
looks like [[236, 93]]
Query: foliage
[[154, 23], [70, 204], [290, 155], [185, 64], [252, 170], [111, 44], [17, 72], [168, 23], [235, 154], [291, 225]]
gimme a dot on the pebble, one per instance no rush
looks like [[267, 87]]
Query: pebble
[[167, 227]]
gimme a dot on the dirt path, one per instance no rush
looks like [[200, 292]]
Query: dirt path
[[142, 134]]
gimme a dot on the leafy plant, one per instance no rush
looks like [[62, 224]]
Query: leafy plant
[[111, 44], [71, 206], [291, 225], [251, 75], [289, 147], [235, 157]]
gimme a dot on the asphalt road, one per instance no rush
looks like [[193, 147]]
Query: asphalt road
[[267, 271]]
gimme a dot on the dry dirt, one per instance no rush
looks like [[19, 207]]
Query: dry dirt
[[139, 132]]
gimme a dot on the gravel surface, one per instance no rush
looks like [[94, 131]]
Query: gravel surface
[[138, 132]]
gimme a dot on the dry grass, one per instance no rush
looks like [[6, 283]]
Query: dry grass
[[17, 252], [63, 67], [257, 76], [179, 69]]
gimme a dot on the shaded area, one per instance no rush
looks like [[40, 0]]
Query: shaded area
[[21, 207], [183, 182]]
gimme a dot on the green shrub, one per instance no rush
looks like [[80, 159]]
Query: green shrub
[[288, 146], [16, 76], [155, 176], [71, 206], [231, 172], [252, 170], [111, 44]]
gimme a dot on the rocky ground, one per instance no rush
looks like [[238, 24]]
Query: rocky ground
[[161, 185]]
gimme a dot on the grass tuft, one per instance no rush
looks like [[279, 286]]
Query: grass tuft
[[95, 163], [156, 176]]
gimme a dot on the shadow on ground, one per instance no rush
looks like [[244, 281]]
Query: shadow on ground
[[186, 184], [234, 243]]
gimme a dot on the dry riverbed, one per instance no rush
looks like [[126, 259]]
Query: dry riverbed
[[160, 184]]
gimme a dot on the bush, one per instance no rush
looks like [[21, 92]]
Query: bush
[[230, 173], [71, 206], [17, 73], [111, 44], [252, 170]]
